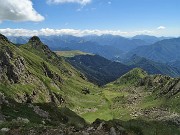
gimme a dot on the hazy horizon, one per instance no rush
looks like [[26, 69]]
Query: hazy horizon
[[88, 17]]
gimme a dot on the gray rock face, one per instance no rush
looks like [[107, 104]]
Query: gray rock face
[[50, 74], [23, 120], [3, 38], [112, 131], [5, 129], [11, 68], [2, 119], [2, 101], [168, 86], [39, 111], [57, 99]]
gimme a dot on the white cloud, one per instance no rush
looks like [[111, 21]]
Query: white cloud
[[18, 10], [74, 32], [18, 32], [161, 27], [109, 2], [82, 2]]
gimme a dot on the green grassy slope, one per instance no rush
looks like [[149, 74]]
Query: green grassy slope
[[51, 79]]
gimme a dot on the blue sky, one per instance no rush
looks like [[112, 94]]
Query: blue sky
[[81, 17]]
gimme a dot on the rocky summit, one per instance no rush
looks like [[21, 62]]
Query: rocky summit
[[3, 38], [42, 93]]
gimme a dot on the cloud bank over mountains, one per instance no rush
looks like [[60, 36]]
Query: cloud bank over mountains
[[74, 32]]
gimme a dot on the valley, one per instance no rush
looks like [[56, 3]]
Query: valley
[[42, 93]]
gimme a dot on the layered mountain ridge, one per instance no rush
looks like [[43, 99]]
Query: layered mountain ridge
[[162, 51]]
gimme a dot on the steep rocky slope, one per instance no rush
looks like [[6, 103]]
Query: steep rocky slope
[[33, 74], [146, 96]]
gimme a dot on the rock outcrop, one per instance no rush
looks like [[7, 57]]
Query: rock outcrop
[[50, 74], [12, 67]]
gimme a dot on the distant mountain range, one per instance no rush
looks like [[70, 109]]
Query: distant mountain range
[[118, 42], [108, 46], [164, 51], [19, 40], [156, 55], [175, 64], [149, 39], [152, 67]]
